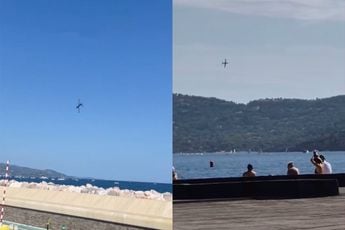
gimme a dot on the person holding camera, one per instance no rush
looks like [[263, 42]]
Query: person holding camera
[[317, 162]]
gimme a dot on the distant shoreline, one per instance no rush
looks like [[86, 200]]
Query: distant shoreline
[[159, 187], [239, 151]]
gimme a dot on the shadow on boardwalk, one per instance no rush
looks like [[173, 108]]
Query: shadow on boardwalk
[[313, 213]]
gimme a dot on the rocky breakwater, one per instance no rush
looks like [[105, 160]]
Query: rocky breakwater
[[90, 189]]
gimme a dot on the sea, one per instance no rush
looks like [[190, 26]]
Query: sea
[[136, 186], [233, 164]]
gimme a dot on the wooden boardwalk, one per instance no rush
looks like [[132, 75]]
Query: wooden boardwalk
[[327, 213]]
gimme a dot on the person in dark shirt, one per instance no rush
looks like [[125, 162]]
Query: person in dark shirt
[[250, 172]]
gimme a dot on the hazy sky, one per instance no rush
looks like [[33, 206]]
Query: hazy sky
[[116, 56], [288, 48]]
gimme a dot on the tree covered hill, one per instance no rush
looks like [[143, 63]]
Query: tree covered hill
[[18, 171], [203, 124]]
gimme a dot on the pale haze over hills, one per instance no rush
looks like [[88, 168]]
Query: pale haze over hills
[[288, 49]]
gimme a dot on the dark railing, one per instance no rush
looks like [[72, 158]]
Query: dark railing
[[301, 186]]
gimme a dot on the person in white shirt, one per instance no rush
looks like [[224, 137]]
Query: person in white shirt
[[326, 166]]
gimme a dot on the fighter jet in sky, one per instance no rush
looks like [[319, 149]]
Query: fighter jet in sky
[[79, 105], [225, 63]]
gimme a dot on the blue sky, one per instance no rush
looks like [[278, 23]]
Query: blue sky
[[289, 49], [116, 56]]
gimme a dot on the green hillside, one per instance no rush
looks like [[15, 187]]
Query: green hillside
[[18, 171], [209, 125]]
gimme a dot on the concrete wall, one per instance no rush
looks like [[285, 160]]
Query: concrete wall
[[144, 213]]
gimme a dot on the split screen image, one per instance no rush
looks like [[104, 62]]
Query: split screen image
[[161, 114]]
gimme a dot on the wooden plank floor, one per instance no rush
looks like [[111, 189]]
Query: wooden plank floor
[[327, 213]]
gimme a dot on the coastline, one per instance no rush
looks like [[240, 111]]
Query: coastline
[[126, 210]]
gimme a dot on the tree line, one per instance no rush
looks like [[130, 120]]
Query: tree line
[[202, 124]]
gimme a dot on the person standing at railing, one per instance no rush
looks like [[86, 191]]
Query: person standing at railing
[[250, 172], [326, 166], [292, 170], [317, 162]]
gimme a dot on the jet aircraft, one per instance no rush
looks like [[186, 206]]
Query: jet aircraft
[[225, 63]]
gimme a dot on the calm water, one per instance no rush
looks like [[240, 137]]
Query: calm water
[[137, 186], [234, 164]]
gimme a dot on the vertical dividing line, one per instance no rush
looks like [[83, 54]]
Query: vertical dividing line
[[4, 193]]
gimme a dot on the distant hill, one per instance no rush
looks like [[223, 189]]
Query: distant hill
[[203, 124], [16, 171]]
